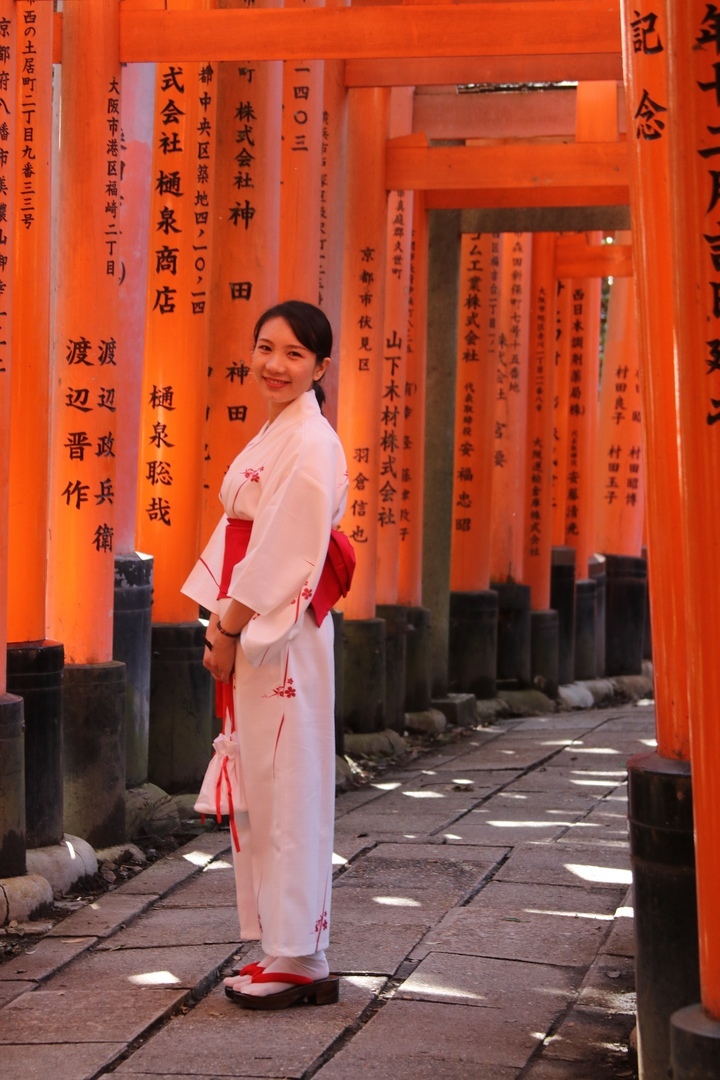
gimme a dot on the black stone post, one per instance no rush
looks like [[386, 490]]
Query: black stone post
[[585, 633], [34, 673], [666, 932], [94, 752], [597, 573], [626, 588], [181, 707], [418, 692], [395, 617], [562, 600], [474, 642], [695, 1042], [513, 658], [132, 647], [12, 787], [545, 651], [364, 675]]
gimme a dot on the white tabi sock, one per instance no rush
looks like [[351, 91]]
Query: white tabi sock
[[312, 967]]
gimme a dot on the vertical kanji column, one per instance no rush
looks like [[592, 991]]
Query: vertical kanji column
[[660, 789], [360, 396], [544, 622], [133, 570], [302, 122], [173, 412], [34, 663], [245, 260], [12, 785], [88, 350], [562, 571], [473, 605], [410, 558], [694, 121], [508, 484], [392, 435], [619, 487], [332, 202]]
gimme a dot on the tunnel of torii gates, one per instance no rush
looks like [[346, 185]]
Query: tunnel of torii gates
[[170, 168]]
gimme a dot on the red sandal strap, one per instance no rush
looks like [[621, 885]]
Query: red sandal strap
[[282, 977]]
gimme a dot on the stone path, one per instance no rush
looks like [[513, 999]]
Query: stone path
[[481, 923]]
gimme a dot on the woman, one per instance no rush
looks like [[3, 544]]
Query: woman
[[289, 485]]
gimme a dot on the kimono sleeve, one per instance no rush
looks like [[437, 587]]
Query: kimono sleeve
[[286, 555], [203, 582]]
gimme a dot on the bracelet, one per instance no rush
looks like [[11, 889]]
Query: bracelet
[[225, 633]]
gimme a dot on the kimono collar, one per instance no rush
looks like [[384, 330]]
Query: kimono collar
[[302, 408]]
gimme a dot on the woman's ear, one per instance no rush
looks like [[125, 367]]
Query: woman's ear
[[320, 369]]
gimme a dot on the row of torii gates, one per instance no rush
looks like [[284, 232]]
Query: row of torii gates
[[241, 153]]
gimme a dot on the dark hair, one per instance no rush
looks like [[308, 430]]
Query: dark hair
[[310, 326]]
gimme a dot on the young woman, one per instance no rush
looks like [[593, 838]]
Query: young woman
[[285, 492]]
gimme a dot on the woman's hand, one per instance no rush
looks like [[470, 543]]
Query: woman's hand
[[219, 655]]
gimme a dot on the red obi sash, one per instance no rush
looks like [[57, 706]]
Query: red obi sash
[[335, 579]]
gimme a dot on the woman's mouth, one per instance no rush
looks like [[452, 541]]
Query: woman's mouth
[[274, 384]]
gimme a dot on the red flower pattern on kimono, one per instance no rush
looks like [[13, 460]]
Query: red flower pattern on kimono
[[253, 475], [322, 923]]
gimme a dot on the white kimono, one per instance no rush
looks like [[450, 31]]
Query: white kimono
[[291, 481]]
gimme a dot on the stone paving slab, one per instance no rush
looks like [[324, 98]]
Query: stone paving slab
[[504, 831], [552, 864], [218, 1038], [621, 941], [443, 875], [421, 802], [188, 967], [400, 903], [212, 887], [500, 755], [43, 959], [347, 847], [436, 1042], [11, 990], [437, 852], [567, 780], [610, 985], [518, 989], [586, 1031], [83, 1016], [373, 947], [396, 823], [61, 1061], [485, 780], [520, 922], [103, 916], [179, 926], [159, 878]]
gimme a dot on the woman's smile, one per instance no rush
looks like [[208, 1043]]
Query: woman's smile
[[283, 367]]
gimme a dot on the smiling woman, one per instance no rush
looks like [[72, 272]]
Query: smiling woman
[[264, 576]]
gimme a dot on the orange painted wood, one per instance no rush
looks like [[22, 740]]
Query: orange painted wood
[[523, 28], [88, 342], [646, 73], [693, 120], [414, 404], [619, 485], [176, 339], [301, 138], [582, 420], [8, 171], [433, 71], [520, 198], [481, 264], [540, 402], [245, 263], [511, 166], [29, 444], [561, 407], [576, 258], [395, 322], [332, 201], [361, 341], [507, 532]]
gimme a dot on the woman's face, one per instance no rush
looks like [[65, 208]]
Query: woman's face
[[283, 368]]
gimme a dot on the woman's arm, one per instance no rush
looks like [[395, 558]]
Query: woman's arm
[[222, 641]]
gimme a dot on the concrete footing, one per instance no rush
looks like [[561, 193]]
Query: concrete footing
[[22, 897], [626, 588], [181, 707], [695, 1042], [472, 665], [418, 692], [94, 752], [63, 864], [459, 710], [364, 674], [663, 862], [34, 673], [132, 647]]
